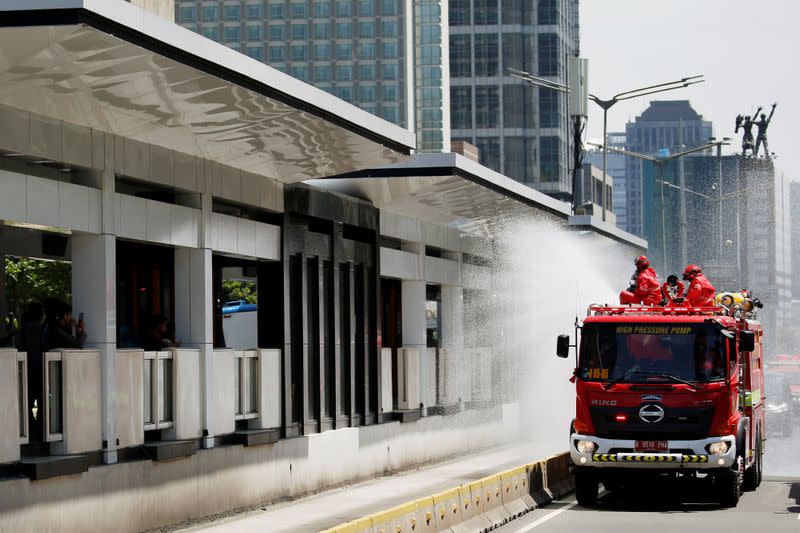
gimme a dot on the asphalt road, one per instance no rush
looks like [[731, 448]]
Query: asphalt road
[[775, 506]]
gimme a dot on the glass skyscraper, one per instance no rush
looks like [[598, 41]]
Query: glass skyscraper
[[521, 131]]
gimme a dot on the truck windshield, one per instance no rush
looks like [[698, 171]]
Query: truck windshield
[[641, 353]]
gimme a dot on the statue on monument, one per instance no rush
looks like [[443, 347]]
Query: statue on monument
[[746, 123], [762, 126]]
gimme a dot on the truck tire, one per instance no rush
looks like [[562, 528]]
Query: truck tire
[[729, 487], [586, 487], [752, 476]]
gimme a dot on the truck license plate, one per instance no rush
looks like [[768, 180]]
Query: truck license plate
[[645, 446]]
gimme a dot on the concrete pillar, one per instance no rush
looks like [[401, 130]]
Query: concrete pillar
[[413, 320], [94, 293], [455, 368], [194, 310]]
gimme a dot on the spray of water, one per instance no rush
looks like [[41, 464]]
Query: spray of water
[[548, 278]]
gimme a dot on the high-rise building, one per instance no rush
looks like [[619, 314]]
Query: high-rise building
[[670, 124], [521, 130], [366, 52], [615, 167]]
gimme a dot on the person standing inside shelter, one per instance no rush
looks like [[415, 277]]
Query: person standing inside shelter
[[63, 331]]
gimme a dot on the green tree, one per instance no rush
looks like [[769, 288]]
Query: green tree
[[32, 280], [239, 290]]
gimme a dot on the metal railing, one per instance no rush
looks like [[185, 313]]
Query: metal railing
[[246, 384], [22, 394], [158, 390], [53, 393]]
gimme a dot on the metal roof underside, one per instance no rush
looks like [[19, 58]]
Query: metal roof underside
[[111, 66], [449, 190]]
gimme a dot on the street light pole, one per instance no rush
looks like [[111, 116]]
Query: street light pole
[[659, 162], [627, 95]]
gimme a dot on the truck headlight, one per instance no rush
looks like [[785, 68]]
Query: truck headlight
[[585, 446], [718, 448]]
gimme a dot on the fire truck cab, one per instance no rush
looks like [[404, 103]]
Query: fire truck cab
[[668, 391]]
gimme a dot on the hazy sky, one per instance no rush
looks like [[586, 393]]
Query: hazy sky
[[747, 50]]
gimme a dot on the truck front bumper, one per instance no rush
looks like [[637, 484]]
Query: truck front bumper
[[618, 453]]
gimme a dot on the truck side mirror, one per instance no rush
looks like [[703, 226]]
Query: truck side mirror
[[562, 346], [747, 341]]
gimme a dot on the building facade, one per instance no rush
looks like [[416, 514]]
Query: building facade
[[589, 193], [670, 124], [520, 130]]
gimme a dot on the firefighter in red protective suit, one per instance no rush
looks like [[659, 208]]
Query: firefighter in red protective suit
[[701, 291], [644, 287], [672, 291]]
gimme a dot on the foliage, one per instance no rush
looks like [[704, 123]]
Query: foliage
[[32, 280], [239, 290]]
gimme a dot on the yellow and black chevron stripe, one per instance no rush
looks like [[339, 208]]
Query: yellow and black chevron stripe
[[649, 458], [605, 457]]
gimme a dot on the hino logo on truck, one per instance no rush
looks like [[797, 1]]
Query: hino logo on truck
[[651, 398], [651, 413]]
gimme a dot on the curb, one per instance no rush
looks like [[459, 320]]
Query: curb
[[481, 505]]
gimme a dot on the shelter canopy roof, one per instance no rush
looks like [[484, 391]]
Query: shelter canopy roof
[[114, 67]]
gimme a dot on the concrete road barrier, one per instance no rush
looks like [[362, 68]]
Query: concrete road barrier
[[480, 505]]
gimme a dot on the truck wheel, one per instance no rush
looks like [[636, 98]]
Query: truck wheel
[[752, 476], [760, 459], [729, 485], [586, 487]]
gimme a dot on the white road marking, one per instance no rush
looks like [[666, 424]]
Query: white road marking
[[555, 513], [547, 517]]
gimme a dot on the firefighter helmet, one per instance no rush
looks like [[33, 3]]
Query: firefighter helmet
[[691, 271], [641, 262]]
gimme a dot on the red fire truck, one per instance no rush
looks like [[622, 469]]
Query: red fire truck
[[668, 391]]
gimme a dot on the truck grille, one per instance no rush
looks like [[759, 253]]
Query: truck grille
[[678, 424]]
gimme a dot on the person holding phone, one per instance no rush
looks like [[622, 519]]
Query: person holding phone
[[63, 330]]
